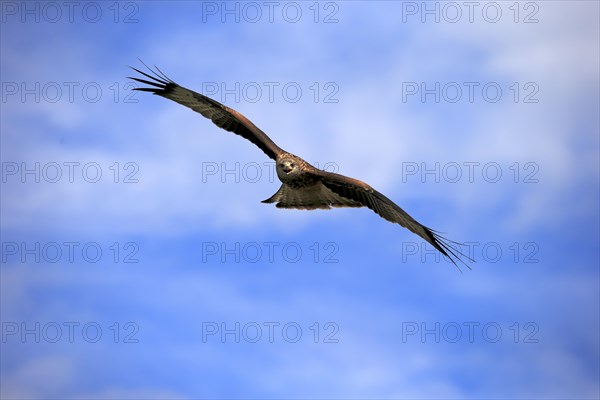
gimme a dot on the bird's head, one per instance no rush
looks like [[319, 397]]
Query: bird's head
[[287, 167]]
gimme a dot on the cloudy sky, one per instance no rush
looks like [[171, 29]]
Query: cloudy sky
[[137, 259]]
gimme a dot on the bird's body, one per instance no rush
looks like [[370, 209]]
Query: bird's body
[[303, 186]]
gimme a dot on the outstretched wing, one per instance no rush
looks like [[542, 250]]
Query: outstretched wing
[[222, 116], [358, 191]]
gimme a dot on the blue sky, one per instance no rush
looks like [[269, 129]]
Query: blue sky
[[138, 261]]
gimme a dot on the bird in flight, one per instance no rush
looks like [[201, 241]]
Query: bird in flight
[[302, 185]]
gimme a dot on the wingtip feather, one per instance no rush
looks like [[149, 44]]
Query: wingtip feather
[[443, 245]]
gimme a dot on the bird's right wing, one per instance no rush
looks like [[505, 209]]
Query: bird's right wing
[[358, 191], [221, 115]]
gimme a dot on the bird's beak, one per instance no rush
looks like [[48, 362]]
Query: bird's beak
[[286, 168]]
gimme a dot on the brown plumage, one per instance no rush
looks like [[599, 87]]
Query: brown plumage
[[303, 186]]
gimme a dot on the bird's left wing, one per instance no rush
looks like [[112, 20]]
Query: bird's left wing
[[221, 115], [359, 191]]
